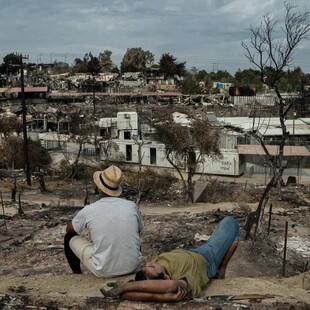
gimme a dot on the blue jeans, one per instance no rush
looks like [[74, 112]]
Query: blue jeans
[[215, 249]]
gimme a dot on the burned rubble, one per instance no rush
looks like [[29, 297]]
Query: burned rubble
[[32, 243]]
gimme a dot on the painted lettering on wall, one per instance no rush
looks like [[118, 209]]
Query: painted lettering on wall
[[225, 165]]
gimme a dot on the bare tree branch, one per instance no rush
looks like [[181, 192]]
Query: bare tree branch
[[271, 55]]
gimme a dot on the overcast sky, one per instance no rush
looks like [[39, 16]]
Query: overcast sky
[[206, 34]]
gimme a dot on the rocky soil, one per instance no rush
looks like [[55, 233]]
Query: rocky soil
[[34, 272]]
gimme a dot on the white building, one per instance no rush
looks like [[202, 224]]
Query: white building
[[240, 154], [153, 153]]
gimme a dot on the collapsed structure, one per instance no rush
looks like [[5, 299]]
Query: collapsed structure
[[67, 96]]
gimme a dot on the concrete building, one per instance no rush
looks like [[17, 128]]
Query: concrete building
[[131, 144], [240, 153]]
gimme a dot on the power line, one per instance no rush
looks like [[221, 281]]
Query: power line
[[215, 67]]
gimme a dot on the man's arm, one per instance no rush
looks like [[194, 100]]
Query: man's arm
[[140, 220], [70, 229], [156, 290], [162, 297]]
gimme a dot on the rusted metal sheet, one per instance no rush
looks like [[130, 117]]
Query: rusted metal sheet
[[27, 89]]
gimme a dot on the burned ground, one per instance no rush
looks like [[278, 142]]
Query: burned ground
[[32, 242]]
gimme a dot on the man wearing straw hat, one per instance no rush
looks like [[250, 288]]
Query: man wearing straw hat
[[114, 225]]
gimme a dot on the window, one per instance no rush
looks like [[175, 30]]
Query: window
[[127, 135], [152, 156], [105, 132], [129, 152]]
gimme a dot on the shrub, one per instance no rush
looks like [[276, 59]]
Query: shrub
[[79, 172], [12, 153], [153, 185]]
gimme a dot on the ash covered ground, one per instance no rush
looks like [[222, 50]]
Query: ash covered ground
[[31, 243]]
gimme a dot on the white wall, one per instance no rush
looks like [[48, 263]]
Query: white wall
[[127, 120], [107, 122], [145, 152], [227, 165], [263, 100]]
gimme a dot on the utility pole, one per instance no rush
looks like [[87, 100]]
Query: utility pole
[[97, 150], [94, 100], [26, 153]]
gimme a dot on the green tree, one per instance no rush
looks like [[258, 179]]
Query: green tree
[[89, 64], [105, 61], [79, 66], [190, 85], [93, 65], [136, 59], [11, 63], [13, 154], [248, 77], [221, 76], [201, 75], [170, 67], [186, 146], [12, 59], [291, 80]]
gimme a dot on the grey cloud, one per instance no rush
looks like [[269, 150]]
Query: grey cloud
[[199, 31]]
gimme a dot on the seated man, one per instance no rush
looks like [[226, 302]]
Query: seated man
[[178, 274], [114, 225]]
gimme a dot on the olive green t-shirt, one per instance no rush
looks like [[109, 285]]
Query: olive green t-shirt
[[181, 264]]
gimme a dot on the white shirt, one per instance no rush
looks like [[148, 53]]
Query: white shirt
[[114, 225]]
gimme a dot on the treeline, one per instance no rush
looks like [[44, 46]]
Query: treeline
[[191, 80]]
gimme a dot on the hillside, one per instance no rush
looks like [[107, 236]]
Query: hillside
[[34, 271]]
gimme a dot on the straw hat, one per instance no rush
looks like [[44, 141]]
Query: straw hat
[[109, 181]]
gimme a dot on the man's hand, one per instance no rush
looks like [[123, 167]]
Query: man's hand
[[182, 285], [149, 290], [179, 295], [115, 291], [183, 290]]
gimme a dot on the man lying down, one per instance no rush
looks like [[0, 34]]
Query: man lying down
[[181, 274]]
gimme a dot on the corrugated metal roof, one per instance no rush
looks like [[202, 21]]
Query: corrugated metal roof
[[273, 150], [269, 126], [297, 131], [262, 121]]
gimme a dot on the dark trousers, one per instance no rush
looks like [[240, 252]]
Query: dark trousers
[[73, 260]]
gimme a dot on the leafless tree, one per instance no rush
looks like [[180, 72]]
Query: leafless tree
[[108, 146], [14, 189], [85, 133], [271, 55], [139, 143], [3, 213], [10, 127]]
